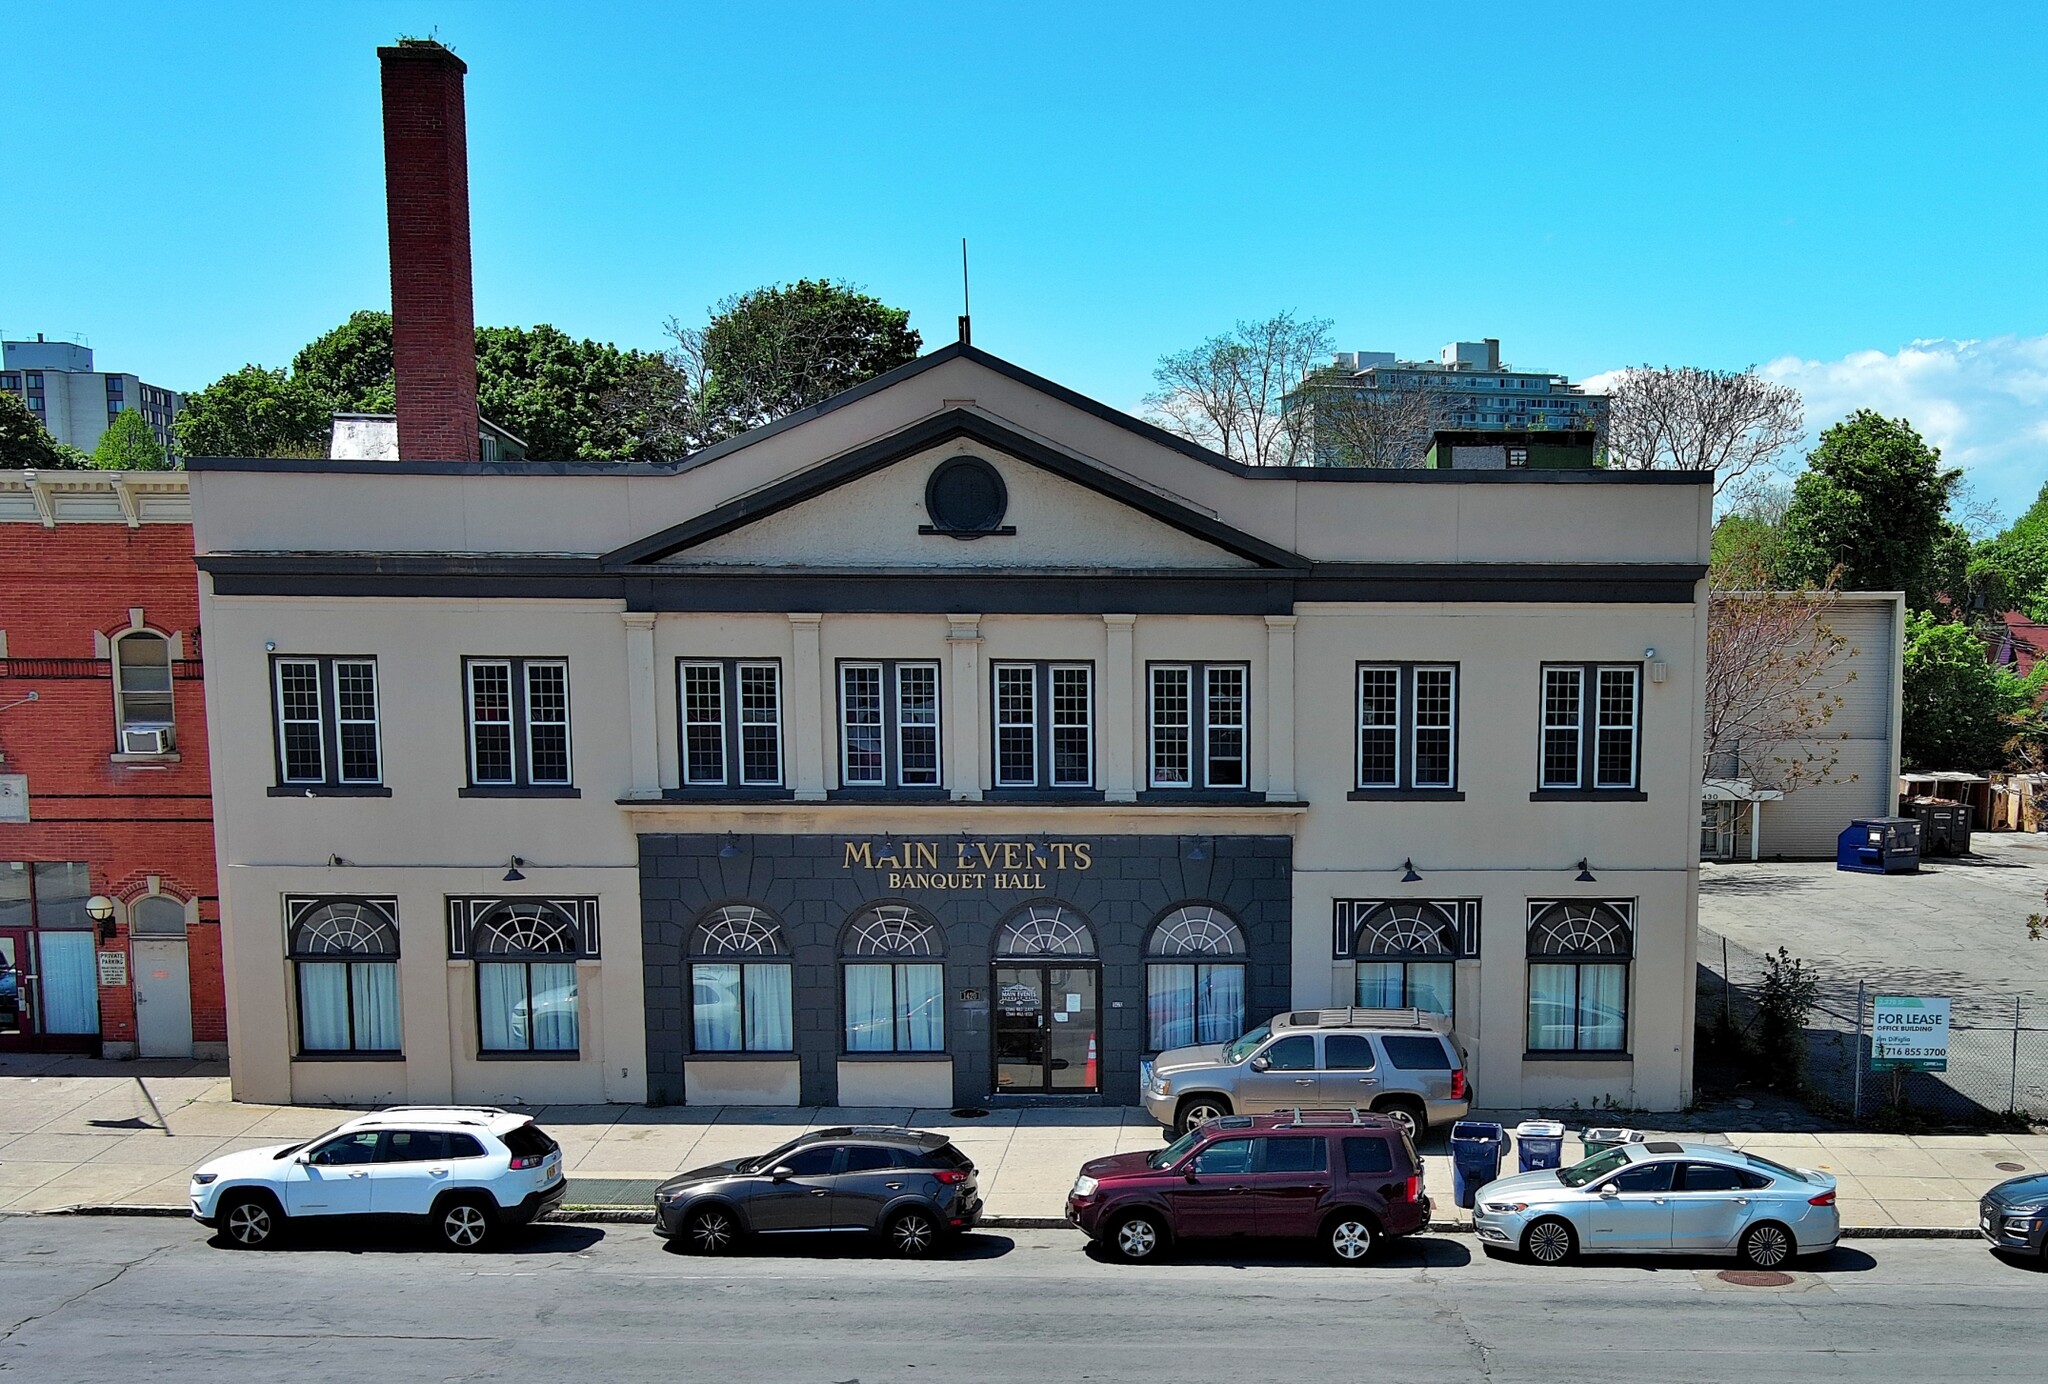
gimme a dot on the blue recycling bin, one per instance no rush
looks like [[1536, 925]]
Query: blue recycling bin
[[1477, 1147], [1541, 1144]]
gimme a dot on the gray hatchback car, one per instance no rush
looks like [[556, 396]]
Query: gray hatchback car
[[2013, 1216], [914, 1188], [1400, 1063]]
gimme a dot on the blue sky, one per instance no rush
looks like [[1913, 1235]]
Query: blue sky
[[1807, 186]]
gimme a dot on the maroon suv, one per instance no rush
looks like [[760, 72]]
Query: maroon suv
[[1347, 1179]]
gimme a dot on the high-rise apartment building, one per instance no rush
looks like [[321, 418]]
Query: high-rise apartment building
[[75, 402]]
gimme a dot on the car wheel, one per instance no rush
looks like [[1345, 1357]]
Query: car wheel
[[251, 1222], [1767, 1245], [712, 1231], [466, 1223], [1197, 1110], [1407, 1114], [1139, 1238], [1350, 1238], [912, 1234], [1550, 1241]]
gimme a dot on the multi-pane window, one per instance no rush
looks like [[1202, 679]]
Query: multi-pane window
[[142, 683], [345, 953], [1591, 717], [1578, 976], [327, 722], [1197, 725], [1194, 979], [730, 713], [889, 725], [518, 722], [895, 981], [1044, 725], [1407, 726], [740, 992], [1404, 953], [525, 952]]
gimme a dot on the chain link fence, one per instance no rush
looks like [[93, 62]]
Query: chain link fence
[[1997, 1054]]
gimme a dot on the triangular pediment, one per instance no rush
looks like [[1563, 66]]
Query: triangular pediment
[[875, 506]]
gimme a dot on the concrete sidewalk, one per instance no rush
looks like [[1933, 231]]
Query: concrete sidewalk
[[76, 1133]]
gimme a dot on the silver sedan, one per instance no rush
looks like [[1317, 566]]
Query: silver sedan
[[1663, 1198]]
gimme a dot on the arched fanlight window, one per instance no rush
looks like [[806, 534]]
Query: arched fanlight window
[[345, 953], [1045, 929], [157, 915], [1194, 978], [1404, 952], [526, 951], [740, 991], [1579, 952], [893, 1005]]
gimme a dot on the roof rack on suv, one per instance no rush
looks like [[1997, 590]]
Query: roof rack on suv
[[1309, 1118], [453, 1114], [916, 1136], [1364, 1018]]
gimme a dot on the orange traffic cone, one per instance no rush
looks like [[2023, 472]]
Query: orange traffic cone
[[1090, 1075]]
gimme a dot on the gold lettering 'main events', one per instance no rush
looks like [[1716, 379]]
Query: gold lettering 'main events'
[[967, 865]]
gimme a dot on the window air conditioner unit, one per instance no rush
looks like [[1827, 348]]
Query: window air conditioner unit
[[148, 740]]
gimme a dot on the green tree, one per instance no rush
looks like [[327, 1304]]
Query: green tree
[[254, 413], [26, 443], [129, 444], [1873, 502], [548, 388], [787, 346], [2010, 571], [350, 367], [1960, 712]]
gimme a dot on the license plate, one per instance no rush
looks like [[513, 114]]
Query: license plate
[[550, 1170]]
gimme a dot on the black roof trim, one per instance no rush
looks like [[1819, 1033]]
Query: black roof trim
[[922, 436]]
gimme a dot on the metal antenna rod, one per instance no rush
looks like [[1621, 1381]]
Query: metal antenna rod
[[966, 304]]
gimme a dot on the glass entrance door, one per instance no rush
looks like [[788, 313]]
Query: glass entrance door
[[14, 989], [1045, 1030]]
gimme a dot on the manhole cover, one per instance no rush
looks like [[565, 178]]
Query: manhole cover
[[969, 1112], [1755, 1278], [2010, 1167]]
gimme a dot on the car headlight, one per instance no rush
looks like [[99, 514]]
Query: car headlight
[[1161, 1086], [202, 1179], [2021, 1212], [1084, 1186], [1506, 1208]]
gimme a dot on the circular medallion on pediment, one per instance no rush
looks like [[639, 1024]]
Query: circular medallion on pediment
[[966, 495]]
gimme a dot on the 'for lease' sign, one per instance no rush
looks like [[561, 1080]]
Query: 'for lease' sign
[[1909, 1034]]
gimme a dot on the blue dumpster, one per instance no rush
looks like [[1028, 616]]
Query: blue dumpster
[[1879, 846], [1477, 1147], [1541, 1143]]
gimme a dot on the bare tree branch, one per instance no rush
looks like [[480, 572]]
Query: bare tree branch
[[1775, 673], [1349, 424], [1231, 392], [1686, 418]]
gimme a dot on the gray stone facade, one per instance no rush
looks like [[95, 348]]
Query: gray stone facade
[[813, 884]]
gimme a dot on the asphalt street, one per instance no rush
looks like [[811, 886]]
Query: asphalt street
[[88, 1299]]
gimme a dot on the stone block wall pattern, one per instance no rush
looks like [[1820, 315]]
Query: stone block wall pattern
[[803, 880], [426, 192]]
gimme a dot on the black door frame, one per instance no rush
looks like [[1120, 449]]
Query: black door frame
[[1044, 965]]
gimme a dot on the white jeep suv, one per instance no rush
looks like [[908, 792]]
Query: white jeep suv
[[467, 1171]]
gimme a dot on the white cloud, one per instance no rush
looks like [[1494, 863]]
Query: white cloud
[[1984, 403]]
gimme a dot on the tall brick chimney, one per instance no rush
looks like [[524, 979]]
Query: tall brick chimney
[[426, 198]]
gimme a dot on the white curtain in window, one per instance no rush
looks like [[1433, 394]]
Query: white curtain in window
[[323, 1006], [921, 992], [1553, 1007], [1170, 1006], [1603, 997], [553, 1006], [1429, 986], [376, 987], [715, 1006], [71, 993], [870, 1020], [1222, 1004], [1380, 985], [501, 1005], [768, 1007]]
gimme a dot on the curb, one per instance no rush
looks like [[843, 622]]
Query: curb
[[623, 1215]]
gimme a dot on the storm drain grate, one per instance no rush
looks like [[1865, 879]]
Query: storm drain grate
[[2010, 1167]]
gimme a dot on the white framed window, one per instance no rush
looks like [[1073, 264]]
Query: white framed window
[[1614, 732], [1198, 725], [1044, 715], [729, 714], [889, 725], [328, 726], [518, 712], [1563, 726], [142, 684], [1591, 727], [1407, 727]]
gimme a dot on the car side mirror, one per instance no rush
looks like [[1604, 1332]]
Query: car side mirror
[[1261, 1063], [1189, 1174], [1610, 1190], [782, 1173], [303, 1161]]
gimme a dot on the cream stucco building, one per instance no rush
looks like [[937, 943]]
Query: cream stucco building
[[957, 740]]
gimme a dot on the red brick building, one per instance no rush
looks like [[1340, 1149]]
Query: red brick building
[[104, 784]]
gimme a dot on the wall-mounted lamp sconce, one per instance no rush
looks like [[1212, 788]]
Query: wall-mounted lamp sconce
[[512, 875], [1585, 872], [731, 849], [270, 646], [100, 909], [1649, 654], [1408, 875], [1198, 852]]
